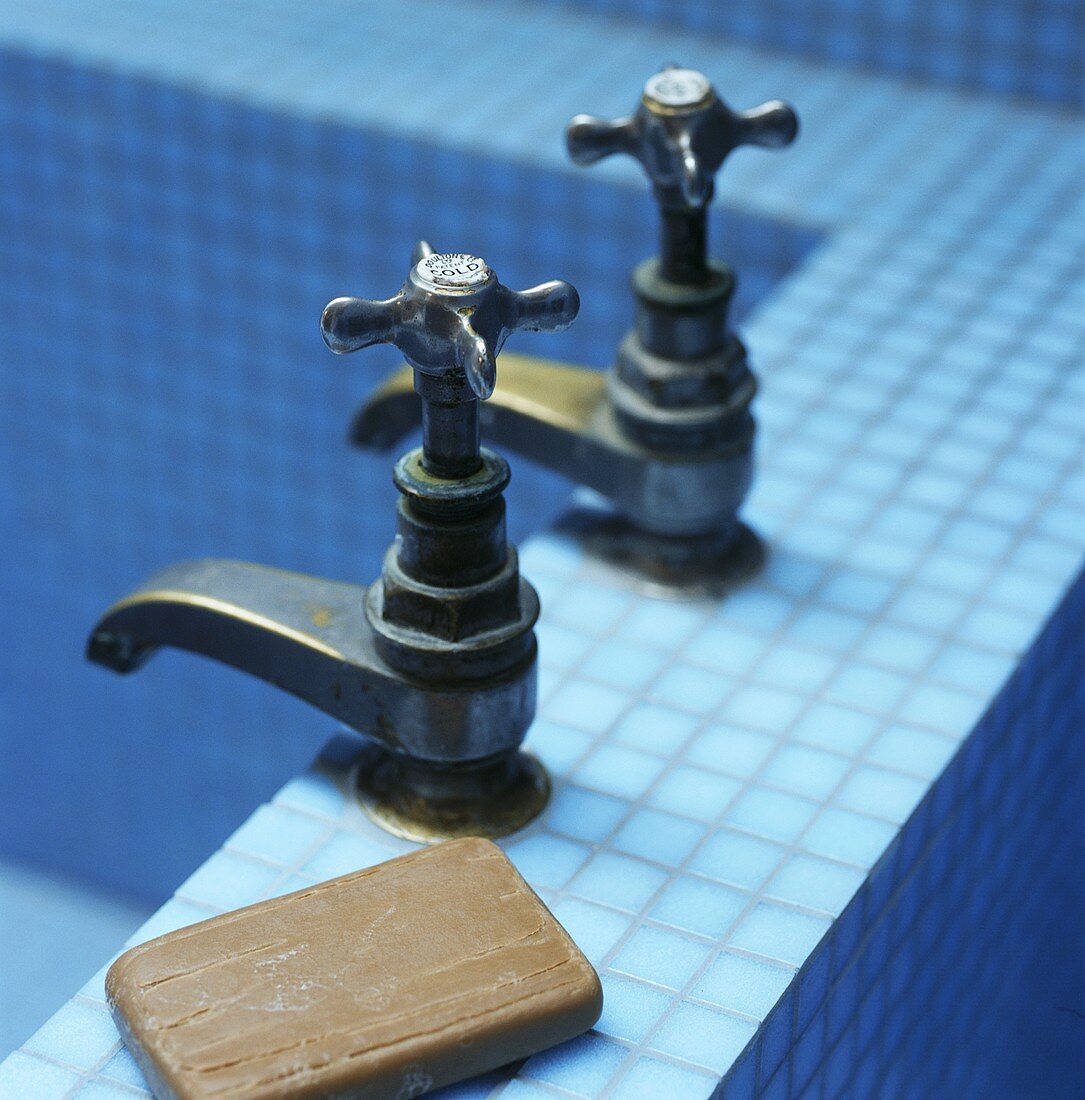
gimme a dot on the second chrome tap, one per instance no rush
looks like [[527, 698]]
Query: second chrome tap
[[667, 434]]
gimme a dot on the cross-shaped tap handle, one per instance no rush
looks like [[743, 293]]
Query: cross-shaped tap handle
[[681, 133], [450, 316], [450, 320]]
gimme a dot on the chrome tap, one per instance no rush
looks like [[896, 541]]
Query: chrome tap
[[435, 662], [667, 434]]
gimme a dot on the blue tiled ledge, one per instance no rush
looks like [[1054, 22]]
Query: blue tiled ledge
[[910, 991]]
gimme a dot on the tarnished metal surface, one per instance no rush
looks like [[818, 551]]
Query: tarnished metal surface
[[561, 416], [681, 133], [450, 314], [495, 798], [668, 435], [312, 638], [436, 661]]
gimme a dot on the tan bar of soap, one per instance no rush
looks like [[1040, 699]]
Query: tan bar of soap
[[384, 983]]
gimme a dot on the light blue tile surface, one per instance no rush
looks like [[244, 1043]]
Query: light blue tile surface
[[716, 810]]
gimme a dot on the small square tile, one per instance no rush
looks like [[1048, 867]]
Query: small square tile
[[279, 835], [806, 771], [743, 984], [703, 1037], [909, 749], [23, 1075], [122, 1067], [945, 710], [651, 1079], [700, 906], [665, 958], [618, 881], [546, 860], [630, 1009], [312, 793], [964, 576], [930, 609], [726, 649], [81, 1034], [737, 858], [583, 1065], [176, 913], [695, 793], [664, 626], [849, 837], [825, 629], [1001, 630], [779, 933], [697, 690], [591, 608], [344, 852], [755, 610], [732, 750], [586, 815], [977, 538], [861, 593], [594, 929], [592, 708], [773, 814], [970, 669], [561, 648], [656, 729], [868, 687], [796, 668], [619, 771], [763, 708], [621, 665], [658, 836], [228, 881], [815, 884], [831, 726], [559, 747], [881, 793], [898, 647]]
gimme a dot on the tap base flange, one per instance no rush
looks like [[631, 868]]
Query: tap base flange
[[428, 803], [676, 567]]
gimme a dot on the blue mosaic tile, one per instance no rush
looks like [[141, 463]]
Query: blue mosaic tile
[[619, 881], [658, 836], [699, 906], [737, 858], [582, 1065], [778, 933], [660, 956], [630, 1009], [695, 792], [815, 884], [702, 1036], [80, 1034], [651, 1078], [744, 985]]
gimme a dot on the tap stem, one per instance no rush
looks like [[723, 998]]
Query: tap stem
[[450, 429], [683, 247]]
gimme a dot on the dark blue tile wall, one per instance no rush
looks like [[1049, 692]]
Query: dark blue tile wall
[[1029, 48]]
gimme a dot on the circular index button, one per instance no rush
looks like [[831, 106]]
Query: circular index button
[[677, 88], [452, 271]]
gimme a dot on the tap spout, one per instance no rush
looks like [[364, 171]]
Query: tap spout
[[312, 638], [562, 417]]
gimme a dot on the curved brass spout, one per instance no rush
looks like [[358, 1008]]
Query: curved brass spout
[[560, 416], [310, 637]]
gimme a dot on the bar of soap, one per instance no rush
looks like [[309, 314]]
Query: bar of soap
[[383, 983]]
